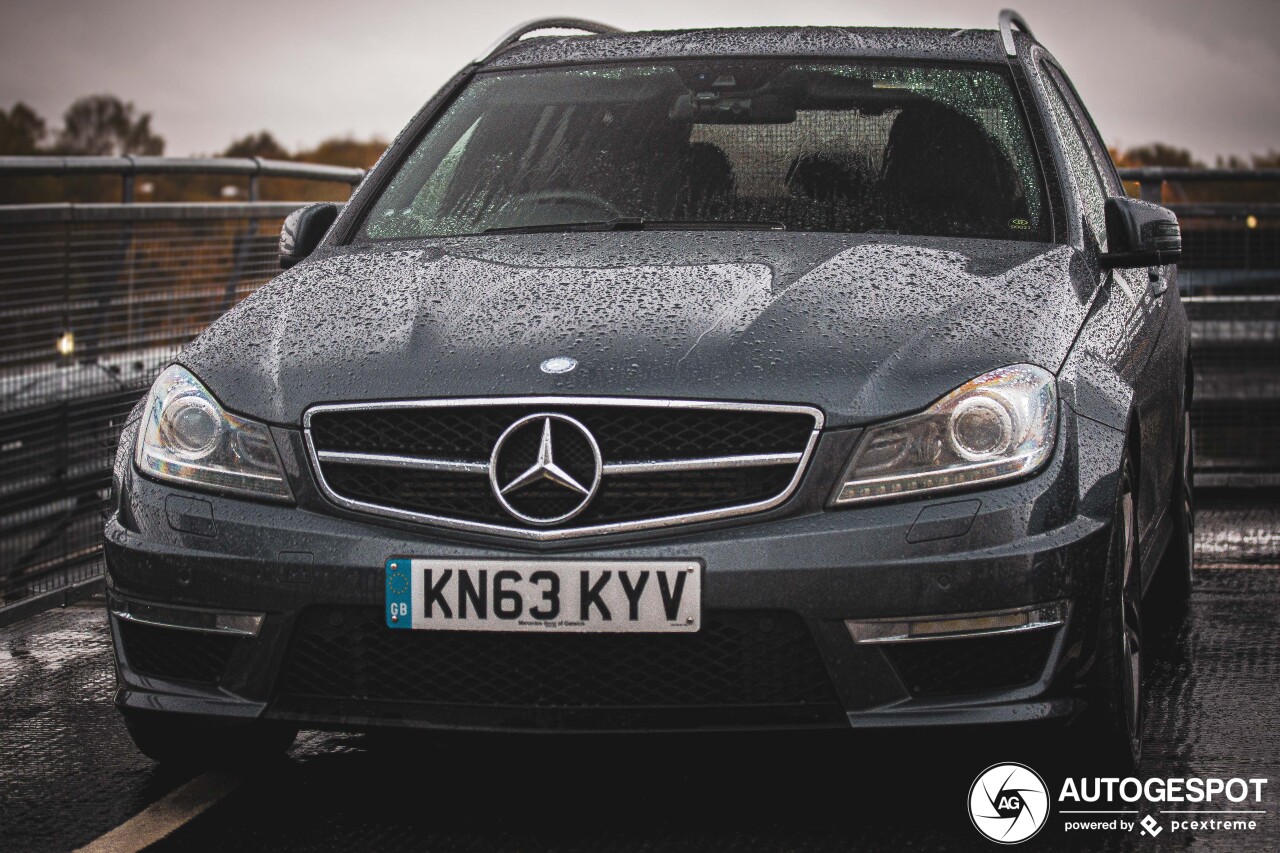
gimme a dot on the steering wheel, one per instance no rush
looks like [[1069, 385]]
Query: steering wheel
[[580, 198]]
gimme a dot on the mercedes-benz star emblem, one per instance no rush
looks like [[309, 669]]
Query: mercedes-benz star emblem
[[559, 364], [545, 468]]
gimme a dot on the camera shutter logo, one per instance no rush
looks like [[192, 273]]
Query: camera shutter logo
[[1008, 803]]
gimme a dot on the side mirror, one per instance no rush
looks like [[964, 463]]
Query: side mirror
[[303, 230], [1141, 234]]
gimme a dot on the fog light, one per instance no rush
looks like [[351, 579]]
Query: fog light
[[186, 618], [958, 625], [238, 623]]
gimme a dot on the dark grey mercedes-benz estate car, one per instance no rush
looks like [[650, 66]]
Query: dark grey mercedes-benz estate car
[[718, 379]]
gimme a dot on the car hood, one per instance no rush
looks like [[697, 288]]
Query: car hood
[[864, 327]]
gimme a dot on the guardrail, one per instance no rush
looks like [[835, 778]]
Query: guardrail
[[96, 298], [129, 168]]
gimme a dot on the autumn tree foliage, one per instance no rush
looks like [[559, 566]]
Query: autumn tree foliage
[[261, 144], [1161, 155]]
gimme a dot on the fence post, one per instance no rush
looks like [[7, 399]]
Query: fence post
[[241, 243], [1152, 190]]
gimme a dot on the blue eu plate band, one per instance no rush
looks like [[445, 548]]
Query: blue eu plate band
[[399, 593]]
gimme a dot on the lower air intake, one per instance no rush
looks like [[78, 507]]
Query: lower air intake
[[738, 659], [950, 667]]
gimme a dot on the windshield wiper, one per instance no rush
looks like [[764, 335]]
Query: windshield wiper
[[623, 223], [635, 223], [713, 225]]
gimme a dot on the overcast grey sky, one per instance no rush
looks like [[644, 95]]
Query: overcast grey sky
[[1195, 73]]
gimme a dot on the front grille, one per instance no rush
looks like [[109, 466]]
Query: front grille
[[175, 653], [623, 432], [469, 497], [971, 665], [661, 462], [740, 659]]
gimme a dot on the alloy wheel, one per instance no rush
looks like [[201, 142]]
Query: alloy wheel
[[1130, 600]]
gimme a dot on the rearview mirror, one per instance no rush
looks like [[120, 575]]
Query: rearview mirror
[[715, 108], [303, 230], [1140, 234]]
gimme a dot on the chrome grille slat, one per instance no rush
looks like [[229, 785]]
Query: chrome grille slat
[[419, 463], [423, 463], [755, 460], [384, 458]]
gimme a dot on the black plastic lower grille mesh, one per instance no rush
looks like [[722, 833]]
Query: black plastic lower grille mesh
[[949, 667], [738, 659], [463, 496], [177, 654]]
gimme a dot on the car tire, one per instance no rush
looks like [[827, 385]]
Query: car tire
[[1110, 727], [1171, 589], [191, 741]]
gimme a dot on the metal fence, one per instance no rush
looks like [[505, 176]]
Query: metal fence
[[1230, 282], [96, 298]]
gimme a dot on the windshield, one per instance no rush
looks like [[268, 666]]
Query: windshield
[[808, 146]]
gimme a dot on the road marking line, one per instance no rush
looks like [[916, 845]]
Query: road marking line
[[164, 815]]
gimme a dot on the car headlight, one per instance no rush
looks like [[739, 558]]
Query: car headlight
[[995, 427], [188, 438]]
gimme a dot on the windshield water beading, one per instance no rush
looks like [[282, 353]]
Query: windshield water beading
[[844, 147]]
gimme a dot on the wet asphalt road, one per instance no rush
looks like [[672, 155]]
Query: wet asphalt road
[[68, 773]]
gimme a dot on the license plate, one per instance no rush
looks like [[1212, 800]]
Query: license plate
[[512, 595]]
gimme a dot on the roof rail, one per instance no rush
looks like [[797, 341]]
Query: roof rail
[[516, 33], [1009, 18]]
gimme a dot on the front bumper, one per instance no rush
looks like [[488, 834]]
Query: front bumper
[[1036, 542]]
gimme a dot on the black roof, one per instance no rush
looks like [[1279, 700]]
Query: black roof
[[876, 42]]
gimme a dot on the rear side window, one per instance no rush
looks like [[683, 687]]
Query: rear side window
[[927, 150]]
